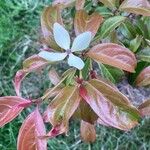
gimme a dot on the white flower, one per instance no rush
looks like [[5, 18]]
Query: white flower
[[62, 38]]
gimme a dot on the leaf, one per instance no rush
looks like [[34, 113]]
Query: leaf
[[20, 75], [114, 55], [144, 55], [88, 133], [144, 108], [50, 15], [105, 73], [9, 108], [85, 113], [54, 77], [30, 131], [84, 22], [141, 7], [113, 108], [128, 29], [86, 69], [80, 4], [57, 130], [111, 73], [105, 12], [34, 62], [143, 78], [29, 65], [135, 43], [63, 106], [110, 25], [109, 3], [65, 3], [67, 75], [114, 96]]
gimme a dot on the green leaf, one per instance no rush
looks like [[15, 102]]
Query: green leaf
[[109, 25], [109, 3], [69, 80], [128, 30], [105, 12], [86, 69], [144, 55], [105, 73], [110, 73], [135, 43]]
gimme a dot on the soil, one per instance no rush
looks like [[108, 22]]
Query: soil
[[135, 95]]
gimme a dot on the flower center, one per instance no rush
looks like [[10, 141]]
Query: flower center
[[68, 51]]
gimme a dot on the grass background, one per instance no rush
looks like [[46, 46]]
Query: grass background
[[19, 33]]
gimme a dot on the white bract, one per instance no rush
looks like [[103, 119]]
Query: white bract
[[62, 38]]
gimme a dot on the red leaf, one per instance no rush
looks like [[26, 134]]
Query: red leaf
[[30, 131], [54, 77], [143, 78], [57, 130], [20, 75], [114, 55], [30, 64], [88, 133], [10, 109], [145, 108]]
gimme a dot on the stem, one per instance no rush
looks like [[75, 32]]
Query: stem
[[91, 66], [80, 74]]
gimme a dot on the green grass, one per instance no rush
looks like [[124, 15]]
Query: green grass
[[19, 36]]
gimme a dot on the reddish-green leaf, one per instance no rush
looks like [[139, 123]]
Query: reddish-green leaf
[[141, 7], [145, 108], [30, 131], [80, 4], [112, 107], [143, 78], [87, 130], [63, 106], [34, 62], [54, 77], [10, 109], [49, 16], [84, 22], [65, 76], [114, 55]]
